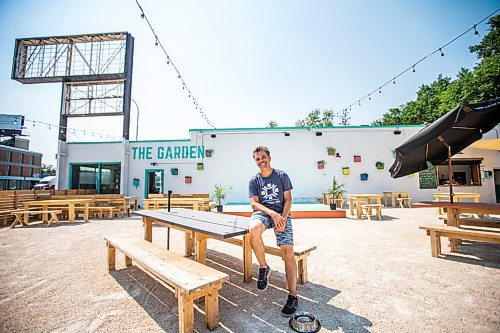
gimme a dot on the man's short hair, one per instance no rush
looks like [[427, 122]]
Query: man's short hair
[[261, 148]]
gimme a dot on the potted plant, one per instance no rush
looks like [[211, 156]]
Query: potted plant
[[336, 191], [220, 194], [331, 151], [379, 165], [199, 166], [321, 164]]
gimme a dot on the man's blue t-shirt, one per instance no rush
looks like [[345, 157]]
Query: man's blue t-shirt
[[270, 190]]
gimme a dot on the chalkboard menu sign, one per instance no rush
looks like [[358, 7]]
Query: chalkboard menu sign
[[428, 178]]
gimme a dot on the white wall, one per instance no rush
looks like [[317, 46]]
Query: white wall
[[232, 163]]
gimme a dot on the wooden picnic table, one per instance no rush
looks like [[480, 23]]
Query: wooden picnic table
[[193, 203], [457, 197], [198, 227], [358, 198], [135, 200], [70, 203], [393, 195], [454, 210]]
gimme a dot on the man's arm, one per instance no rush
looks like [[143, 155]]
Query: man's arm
[[288, 203], [279, 221]]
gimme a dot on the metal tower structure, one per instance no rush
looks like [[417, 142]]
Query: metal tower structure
[[95, 69], [96, 75]]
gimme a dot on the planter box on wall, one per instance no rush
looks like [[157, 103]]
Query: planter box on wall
[[331, 151], [174, 171], [346, 171], [209, 152], [321, 164], [364, 177], [357, 158], [199, 166], [379, 165], [188, 179]]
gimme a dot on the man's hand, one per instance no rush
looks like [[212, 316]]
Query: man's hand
[[279, 222]]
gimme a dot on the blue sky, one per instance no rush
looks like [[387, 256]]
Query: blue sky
[[247, 62]]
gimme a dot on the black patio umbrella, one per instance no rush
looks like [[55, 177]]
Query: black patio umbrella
[[445, 137]]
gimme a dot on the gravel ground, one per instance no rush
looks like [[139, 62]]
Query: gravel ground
[[365, 276]]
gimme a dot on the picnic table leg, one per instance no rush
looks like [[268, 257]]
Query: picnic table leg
[[453, 220], [71, 212], [201, 248], [17, 219], [188, 243], [148, 229], [212, 309], [358, 207], [393, 200], [45, 216], [86, 206], [26, 218], [186, 313], [111, 256], [247, 259], [351, 206]]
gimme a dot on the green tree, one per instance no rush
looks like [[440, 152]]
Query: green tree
[[317, 118], [48, 169], [272, 123]]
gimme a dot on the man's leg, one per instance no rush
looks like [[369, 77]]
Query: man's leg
[[256, 229], [290, 268]]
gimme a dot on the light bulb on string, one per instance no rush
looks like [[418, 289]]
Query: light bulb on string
[[394, 81], [142, 15], [156, 41], [369, 97], [380, 90], [442, 54], [413, 68], [476, 33]]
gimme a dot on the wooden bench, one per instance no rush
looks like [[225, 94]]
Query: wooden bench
[[488, 222], [190, 279], [436, 231], [300, 253], [368, 210], [22, 216], [402, 201]]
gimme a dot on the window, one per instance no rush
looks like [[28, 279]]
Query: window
[[103, 177], [465, 172]]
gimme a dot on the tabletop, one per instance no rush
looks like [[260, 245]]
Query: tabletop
[[459, 205], [57, 201], [209, 223]]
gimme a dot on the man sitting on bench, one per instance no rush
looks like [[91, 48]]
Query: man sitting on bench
[[270, 193]]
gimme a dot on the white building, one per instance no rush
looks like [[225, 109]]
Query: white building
[[138, 168]]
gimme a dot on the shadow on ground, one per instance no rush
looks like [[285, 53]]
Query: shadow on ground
[[242, 308]]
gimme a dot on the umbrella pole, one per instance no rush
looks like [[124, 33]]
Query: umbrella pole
[[450, 177]]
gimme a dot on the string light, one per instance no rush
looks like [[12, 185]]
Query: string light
[[69, 129], [169, 61], [412, 67]]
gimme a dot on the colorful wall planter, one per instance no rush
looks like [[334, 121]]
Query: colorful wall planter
[[199, 166], [379, 165], [188, 179], [357, 158], [174, 171], [321, 164], [364, 177], [331, 151], [209, 152], [346, 171]]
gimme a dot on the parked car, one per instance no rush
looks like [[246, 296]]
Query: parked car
[[46, 183]]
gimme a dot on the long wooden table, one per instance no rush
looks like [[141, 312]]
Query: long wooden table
[[198, 227], [70, 203], [358, 198], [393, 195], [454, 210]]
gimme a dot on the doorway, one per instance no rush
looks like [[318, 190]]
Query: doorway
[[154, 182]]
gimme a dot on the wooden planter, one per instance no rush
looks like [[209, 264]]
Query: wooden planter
[[174, 171], [188, 179], [199, 166], [321, 165]]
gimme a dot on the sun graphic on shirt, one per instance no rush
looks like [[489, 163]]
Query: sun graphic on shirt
[[269, 192]]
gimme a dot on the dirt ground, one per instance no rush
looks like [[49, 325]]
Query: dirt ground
[[365, 276]]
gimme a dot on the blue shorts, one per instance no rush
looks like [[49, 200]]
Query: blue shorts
[[282, 238]]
